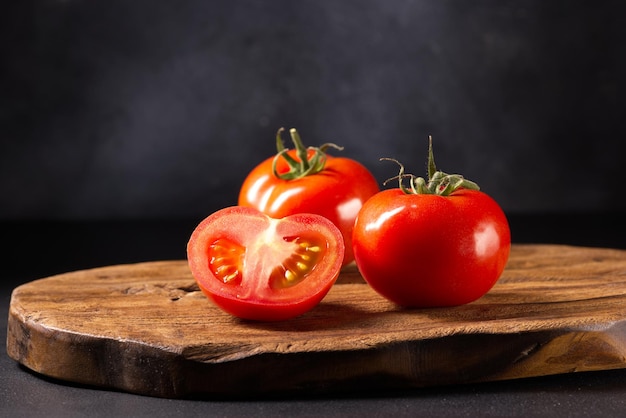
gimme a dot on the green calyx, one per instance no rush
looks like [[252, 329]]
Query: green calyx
[[310, 160], [438, 183]]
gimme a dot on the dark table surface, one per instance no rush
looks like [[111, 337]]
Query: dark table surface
[[39, 249]]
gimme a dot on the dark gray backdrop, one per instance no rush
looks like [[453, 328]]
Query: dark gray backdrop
[[154, 109]]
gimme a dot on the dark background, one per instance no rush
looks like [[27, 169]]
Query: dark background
[[154, 109]]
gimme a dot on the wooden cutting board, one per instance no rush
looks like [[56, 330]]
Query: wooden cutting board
[[145, 328]]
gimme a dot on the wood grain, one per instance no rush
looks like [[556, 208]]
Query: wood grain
[[145, 328]]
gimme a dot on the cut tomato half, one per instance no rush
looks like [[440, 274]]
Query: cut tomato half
[[260, 268]]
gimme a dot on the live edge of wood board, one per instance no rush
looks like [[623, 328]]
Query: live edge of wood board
[[146, 328]]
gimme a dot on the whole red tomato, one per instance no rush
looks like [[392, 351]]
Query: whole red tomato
[[259, 268], [437, 243], [307, 180]]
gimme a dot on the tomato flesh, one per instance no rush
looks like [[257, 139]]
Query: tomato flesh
[[260, 268]]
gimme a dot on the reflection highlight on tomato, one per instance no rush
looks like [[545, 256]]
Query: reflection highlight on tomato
[[260, 268], [309, 180], [440, 242]]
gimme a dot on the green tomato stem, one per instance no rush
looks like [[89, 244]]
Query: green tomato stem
[[304, 165], [438, 182], [432, 169]]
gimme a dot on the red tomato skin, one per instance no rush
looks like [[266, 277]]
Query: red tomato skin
[[261, 312], [242, 225], [337, 193], [424, 250]]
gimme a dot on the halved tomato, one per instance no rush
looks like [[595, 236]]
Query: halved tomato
[[261, 268]]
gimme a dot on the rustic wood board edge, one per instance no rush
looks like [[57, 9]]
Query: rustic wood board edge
[[474, 355], [151, 371]]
